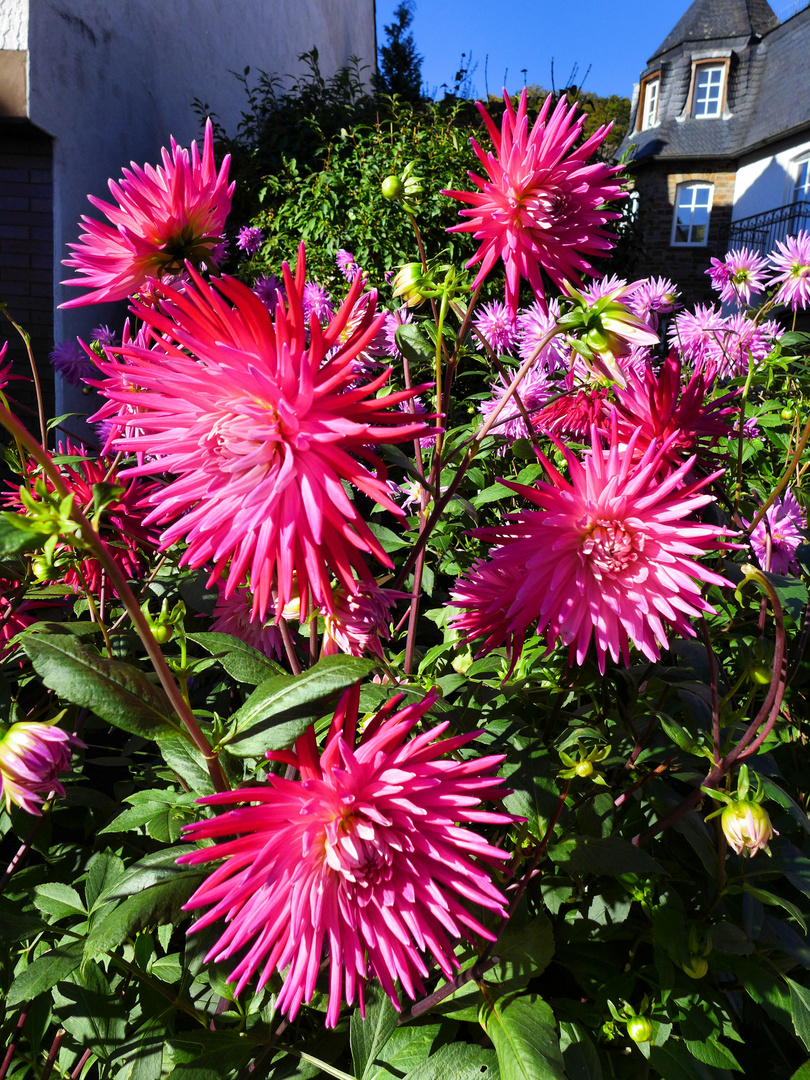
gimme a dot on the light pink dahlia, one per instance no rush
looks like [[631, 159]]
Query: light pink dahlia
[[738, 275], [779, 534], [608, 556], [32, 755], [790, 264], [365, 859], [359, 619], [166, 216], [541, 206], [496, 325], [259, 429]]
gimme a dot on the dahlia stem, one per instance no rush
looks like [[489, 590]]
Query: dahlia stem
[[741, 422], [43, 426], [24, 847], [784, 481], [54, 1050], [473, 446], [12, 1045], [715, 693], [289, 647], [101, 552]]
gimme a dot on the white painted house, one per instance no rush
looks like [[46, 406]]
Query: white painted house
[[86, 86]]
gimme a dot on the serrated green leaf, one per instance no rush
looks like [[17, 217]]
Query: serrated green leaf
[[44, 973], [674, 1062], [524, 1033], [580, 1056], [16, 925], [405, 1050], [713, 1053], [167, 968], [242, 661], [368, 1035], [185, 759], [281, 708], [14, 539], [117, 692], [414, 345], [104, 871], [88, 1009], [800, 1011], [134, 817], [209, 1052]]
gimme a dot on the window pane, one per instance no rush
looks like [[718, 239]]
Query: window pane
[[692, 213], [803, 182], [708, 90], [650, 103]]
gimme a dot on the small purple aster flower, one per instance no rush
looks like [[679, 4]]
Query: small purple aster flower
[[738, 275], [775, 543], [72, 362], [750, 429], [219, 253], [534, 391], [654, 297], [316, 301], [104, 336], [249, 239], [346, 264], [791, 262], [267, 288], [532, 325], [497, 327], [603, 287]]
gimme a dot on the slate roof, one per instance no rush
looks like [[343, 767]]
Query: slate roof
[[768, 95]]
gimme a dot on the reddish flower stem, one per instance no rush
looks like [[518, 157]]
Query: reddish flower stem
[[784, 481], [101, 552], [12, 1044]]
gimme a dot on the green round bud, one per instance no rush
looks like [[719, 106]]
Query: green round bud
[[760, 674], [393, 188], [787, 413], [697, 967], [583, 768], [640, 1029], [162, 633]]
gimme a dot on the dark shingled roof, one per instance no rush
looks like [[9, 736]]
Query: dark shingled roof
[[768, 87], [708, 20]]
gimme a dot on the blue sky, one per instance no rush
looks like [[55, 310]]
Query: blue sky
[[614, 41]]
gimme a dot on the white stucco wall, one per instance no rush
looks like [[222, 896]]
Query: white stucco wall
[[14, 24], [111, 80], [766, 181]]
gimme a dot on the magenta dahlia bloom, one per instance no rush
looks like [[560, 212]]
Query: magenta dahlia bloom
[[791, 266], [166, 216], [778, 535], [654, 297], [366, 858], [359, 620], [572, 414], [347, 265], [496, 325], [698, 334], [31, 757], [738, 275], [541, 206], [316, 301], [249, 239], [257, 425], [743, 343], [608, 557], [232, 615]]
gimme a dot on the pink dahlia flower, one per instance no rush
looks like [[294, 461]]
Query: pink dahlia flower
[[654, 297], [359, 619], [608, 556], [249, 239], [791, 266], [166, 216], [255, 421], [232, 615], [542, 206], [658, 408], [533, 323], [571, 415], [496, 325], [534, 391], [738, 275], [778, 535], [31, 757], [347, 264], [365, 858]]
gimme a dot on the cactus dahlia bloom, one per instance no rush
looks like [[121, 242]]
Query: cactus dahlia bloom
[[166, 216], [255, 421], [608, 556], [31, 757], [541, 207], [365, 858]]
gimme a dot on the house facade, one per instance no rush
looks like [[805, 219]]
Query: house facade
[[88, 86], [720, 146]]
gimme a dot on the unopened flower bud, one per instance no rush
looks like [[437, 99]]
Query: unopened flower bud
[[747, 826], [32, 755], [409, 283]]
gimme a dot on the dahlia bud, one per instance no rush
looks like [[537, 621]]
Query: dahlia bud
[[31, 757], [410, 283], [602, 330], [747, 826]]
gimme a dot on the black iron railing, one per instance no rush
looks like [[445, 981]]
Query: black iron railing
[[761, 231]]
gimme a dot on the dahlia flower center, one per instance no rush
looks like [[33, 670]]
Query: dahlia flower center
[[354, 848], [246, 437], [610, 547]]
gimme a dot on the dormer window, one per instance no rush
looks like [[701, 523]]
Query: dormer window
[[648, 101], [708, 89]]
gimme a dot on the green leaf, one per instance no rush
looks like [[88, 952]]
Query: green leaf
[[104, 871], [210, 1051], [58, 900], [368, 1036], [16, 925], [117, 692], [802, 1073], [457, 1061], [580, 1056], [800, 1011], [414, 345], [185, 759], [713, 1053], [406, 1049], [240, 660], [13, 538], [674, 1062], [281, 708], [610, 855], [524, 1033], [44, 973], [93, 1015]]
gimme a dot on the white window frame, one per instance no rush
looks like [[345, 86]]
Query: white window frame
[[801, 182], [710, 105], [648, 101], [694, 205]]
